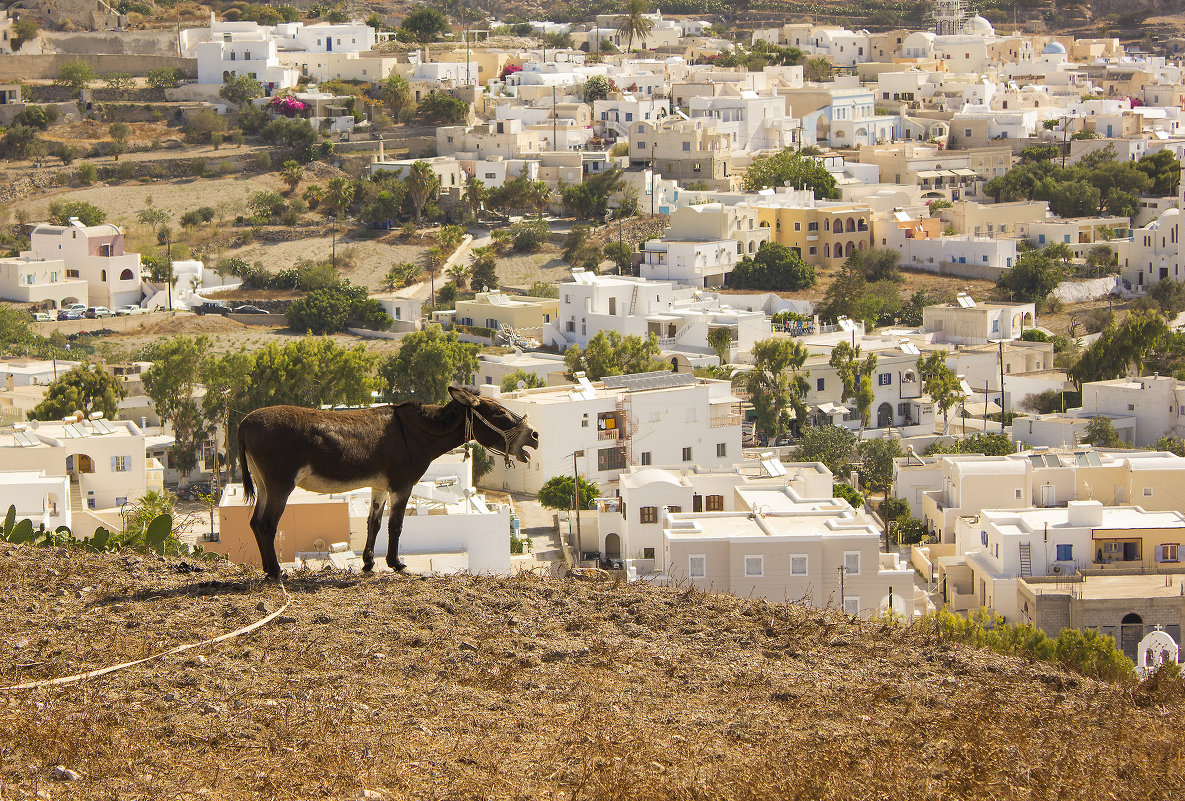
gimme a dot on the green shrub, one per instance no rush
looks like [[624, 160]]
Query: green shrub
[[529, 235], [87, 173], [846, 491]]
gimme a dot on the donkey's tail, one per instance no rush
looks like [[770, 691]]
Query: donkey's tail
[[248, 484]]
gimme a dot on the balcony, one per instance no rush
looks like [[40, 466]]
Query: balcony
[[725, 421], [611, 434]]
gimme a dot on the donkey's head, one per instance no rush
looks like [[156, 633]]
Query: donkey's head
[[496, 427]]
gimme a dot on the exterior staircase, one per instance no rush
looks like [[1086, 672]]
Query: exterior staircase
[[1026, 560]]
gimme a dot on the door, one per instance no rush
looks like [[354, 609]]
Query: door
[[1048, 495], [612, 546], [1131, 551], [1131, 631], [884, 416]]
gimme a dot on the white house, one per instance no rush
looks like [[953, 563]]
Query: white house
[[43, 499], [94, 254], [29, 279], [642, 419]]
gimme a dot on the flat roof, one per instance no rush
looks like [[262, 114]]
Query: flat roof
[[743, 525], [1103, 588]]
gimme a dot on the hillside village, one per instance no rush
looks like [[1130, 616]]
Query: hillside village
[[882, 318]]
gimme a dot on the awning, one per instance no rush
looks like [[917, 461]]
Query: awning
[[929, 174], [975, 408], [947, 173], [966, 172]]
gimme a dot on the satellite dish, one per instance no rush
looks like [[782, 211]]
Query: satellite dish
[[521, 384], [320, 546]]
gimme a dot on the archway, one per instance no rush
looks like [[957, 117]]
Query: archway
[[884, 416], [851, 248], [1131, 631], [612, 546], [126, 275], [851, 225]]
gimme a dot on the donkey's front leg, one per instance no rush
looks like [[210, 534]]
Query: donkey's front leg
[[378, 499], [395, 528]]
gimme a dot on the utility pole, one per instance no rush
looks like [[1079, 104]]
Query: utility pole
[[842, 571], [1003, 413], [169, 259], [576, 505], [653, 179], [465, 33], [554, 124]]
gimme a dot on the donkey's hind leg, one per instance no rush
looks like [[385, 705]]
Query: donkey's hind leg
[[269, 507], [378, 500]]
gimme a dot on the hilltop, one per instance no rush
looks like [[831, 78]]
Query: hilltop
[[525, 688]]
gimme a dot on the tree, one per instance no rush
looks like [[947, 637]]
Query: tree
[[332, 309], [60, 212], [876, 463], [152, 216], [1168, 296], [529, 380], [877, 264], [119, 132], [427, 363], [437, 108], [543, 289], [119, 82], [240, 89], [633, 21], [1163, 170], [163, 77], [459, 274], [202, 124], [622, 255], [1101, 433], [292, 175], [85, 389], [396, 93], [485, 274], [1123, 347], [400, 275], [1032, 278], [558, 493], [940, 383], [228, 380], [596, 88], [1170, 444], [475, 195], [312, 371], [23, 30], [589, 199], [75, 74], [850, 295], [790, 168], [856, 375], [1100, 257], [720, 341], [777, 385], [172, 383], [425, 24], [817, 70], [422, 185], [775, 267], [614, 354], [339, 195], [831, 445], [1045, 402]]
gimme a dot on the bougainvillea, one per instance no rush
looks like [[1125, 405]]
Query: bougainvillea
[[287, 105]]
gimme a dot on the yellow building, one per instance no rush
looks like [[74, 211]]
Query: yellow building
[[526, 315], [823, 235]]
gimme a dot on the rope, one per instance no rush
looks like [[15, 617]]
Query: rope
[[77, 677]]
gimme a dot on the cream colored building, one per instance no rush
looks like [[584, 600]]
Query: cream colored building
[[995, 219], [969, 323], [494, 310], [690, 151], [816, 551]]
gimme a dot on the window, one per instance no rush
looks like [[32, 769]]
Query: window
[[697, 566], [647, 553], [798, 564], [645, 458], [884, 379], [851, 605], [967, 132], [648, 514], [851, 563], [641, 145], [119, 464], [1168, 553], [819, 384], [687, 146], [1147, 492], [722, 449], [29, 279], [1016, 494], [983, 538], [755, 566], [611, 459], [120, 500], [715, 503], [687, 453]]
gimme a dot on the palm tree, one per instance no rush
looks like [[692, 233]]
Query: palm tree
[[340, 194], [433, 258], [292, 174], [400, 275], [539, 195], [459, 273], [313, 195], [633, 21], [397, 93], [475, 194], [422, 186]]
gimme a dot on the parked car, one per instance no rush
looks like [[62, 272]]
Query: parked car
[[250, 310], [98, 313], [128, 311], [211, 307], [75, 311], [42, 317]]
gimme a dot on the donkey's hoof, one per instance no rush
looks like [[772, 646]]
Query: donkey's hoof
[[367, 567]]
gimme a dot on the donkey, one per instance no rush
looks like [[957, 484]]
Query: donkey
[[386, 448]]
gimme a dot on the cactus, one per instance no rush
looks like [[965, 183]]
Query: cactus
[[158, 532]]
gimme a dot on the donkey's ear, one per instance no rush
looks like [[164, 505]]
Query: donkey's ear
[[463, 396]]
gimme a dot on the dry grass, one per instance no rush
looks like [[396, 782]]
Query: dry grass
[[470, 687]]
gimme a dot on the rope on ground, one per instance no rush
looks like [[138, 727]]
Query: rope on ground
[[32, 685]]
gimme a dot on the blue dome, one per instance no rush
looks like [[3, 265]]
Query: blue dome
[[1054, 48]]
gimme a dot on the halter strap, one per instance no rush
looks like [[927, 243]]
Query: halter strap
[[508, 435]]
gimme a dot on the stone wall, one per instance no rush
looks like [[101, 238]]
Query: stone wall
[[23, 67]]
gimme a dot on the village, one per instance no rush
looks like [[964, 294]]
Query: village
[[886, 321]]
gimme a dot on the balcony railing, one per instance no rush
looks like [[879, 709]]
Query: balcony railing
[[725, 420], [609, 434]]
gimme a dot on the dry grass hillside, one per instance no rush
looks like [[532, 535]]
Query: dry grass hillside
[[401, 687]]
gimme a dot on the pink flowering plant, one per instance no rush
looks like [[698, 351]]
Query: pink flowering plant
[[287, 105]]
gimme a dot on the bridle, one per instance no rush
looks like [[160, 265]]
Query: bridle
[[508, 435]]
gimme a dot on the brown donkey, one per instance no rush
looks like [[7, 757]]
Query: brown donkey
[[386, 448]]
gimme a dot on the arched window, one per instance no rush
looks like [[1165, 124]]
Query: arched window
[[827, 251], [126, 275], [851, 225]]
